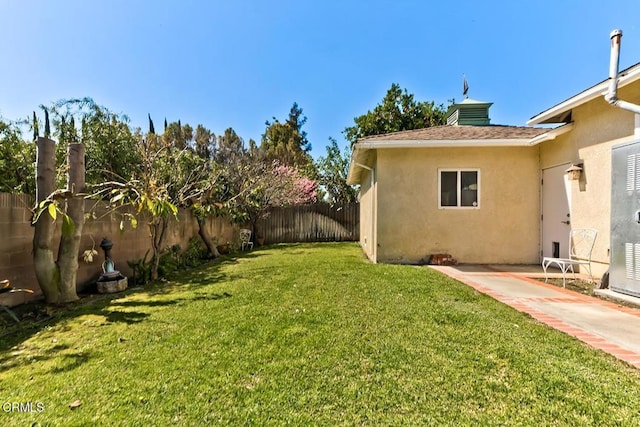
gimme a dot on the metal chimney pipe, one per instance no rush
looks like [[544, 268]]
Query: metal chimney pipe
[[612, 93], [614, 64]]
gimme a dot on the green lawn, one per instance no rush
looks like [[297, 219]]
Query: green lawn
[[309, 335]]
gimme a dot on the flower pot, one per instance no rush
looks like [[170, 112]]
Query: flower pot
[[223, 249]]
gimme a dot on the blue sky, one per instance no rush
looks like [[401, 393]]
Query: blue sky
[[239, 63]]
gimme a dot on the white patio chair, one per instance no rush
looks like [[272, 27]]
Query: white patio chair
[[581, 241], [245, 239]]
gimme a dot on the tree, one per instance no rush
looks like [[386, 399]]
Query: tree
[[262, 185], [333, 170], [229, 145], [57, 278], [295, 121], [287, 142], [147, 193], [110, 145], [152, 129], [177, 136], [169, 178], [205, 142], [17, 171], [398, 111], [195, 185]]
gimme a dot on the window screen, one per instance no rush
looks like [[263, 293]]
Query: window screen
[[449, 188], [459, 188]]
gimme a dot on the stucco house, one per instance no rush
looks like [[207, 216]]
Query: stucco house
[[493, 194]]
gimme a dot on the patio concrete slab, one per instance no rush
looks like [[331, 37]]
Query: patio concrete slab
[[602, 324], [620, 328], [504, 285]]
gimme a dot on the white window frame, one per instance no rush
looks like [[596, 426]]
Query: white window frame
[[459, 187]]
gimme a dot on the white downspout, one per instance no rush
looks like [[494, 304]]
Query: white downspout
[[611, 96], [373, 180]]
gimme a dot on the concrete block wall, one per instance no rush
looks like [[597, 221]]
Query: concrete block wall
[[16, 242], [16, 246]]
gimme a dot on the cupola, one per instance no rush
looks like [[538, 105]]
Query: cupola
[[469, 113]]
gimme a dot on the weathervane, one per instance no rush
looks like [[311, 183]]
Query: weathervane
[[465, 86]]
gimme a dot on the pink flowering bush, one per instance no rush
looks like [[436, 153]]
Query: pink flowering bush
[[288, 187]]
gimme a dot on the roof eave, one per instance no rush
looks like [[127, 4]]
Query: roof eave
[[555, 113], [358, 158], [552, 134], [438, 143]]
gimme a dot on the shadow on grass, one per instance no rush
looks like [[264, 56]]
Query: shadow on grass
[[71, 361], [38, 317], [8, 361], [128, 317]]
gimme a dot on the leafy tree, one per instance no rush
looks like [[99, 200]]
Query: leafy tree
[[17, 171], [230, 142], [148, 193], [169, 178], [295, 121], [398, 111], [205, 142], [333, 170], [287, 143], [231, 152], [253, 147], [177, 136], [111, 146], [263, 184]]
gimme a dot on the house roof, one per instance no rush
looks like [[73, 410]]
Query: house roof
[[459, 133], [445, 136], [561, 113]]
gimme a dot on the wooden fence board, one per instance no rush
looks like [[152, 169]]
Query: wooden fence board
[[311, 223]]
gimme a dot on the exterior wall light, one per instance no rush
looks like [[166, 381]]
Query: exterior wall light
[[574, 172]]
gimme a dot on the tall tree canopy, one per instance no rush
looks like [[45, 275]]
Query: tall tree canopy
[[333, 170], [110, 145], [178, 136], [287, 143], [205, 142], [398, 111], [17, 173]]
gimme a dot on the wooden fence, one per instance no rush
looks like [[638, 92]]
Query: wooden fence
[[311, 223]]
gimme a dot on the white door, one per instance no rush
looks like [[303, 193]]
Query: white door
[[556, 208]]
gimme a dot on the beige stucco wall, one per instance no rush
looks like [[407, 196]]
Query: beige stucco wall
[[367, 213], [597, 126], [410, 226]]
